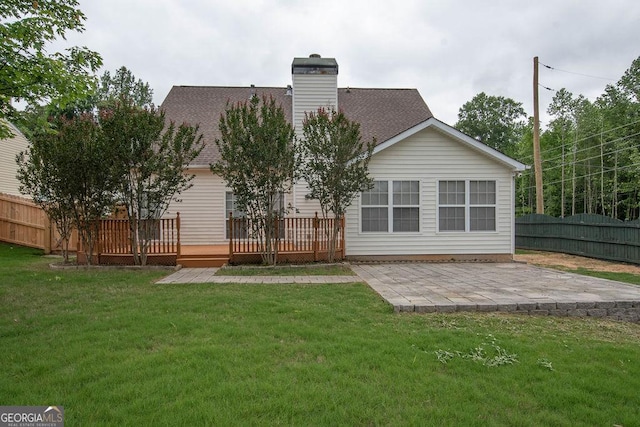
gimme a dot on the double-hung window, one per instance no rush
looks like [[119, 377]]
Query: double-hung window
[[467, 205], [391, 206]]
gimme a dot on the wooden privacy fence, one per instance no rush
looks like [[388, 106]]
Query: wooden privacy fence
[[299, 240], [589, 235], [24, 223]]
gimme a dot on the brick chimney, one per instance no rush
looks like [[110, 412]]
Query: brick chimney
[[315, 85]]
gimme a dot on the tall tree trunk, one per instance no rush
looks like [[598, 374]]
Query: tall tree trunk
[[614, 199], [134, 229], [602, 202], [573, 181], [562, 184]]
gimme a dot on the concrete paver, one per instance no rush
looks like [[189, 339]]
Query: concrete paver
[[207, 275], [447, 287]]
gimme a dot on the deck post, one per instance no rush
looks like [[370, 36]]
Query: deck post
[[178, 248], [276, 237], [230, 235], [99, 238], [315, 237]]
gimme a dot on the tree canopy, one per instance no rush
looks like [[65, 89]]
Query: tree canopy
[[126, 155], [123, 85], [70, 173], [335, 164], [28, 72], [151, 159], [495, 120], [258, 162]]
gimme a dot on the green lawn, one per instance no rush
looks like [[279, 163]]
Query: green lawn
[[287, 270], [115, 349]]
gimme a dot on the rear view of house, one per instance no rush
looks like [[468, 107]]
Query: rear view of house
[[438, 193]]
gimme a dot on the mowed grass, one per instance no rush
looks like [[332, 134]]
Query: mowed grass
[[287, 270], [115, 349]]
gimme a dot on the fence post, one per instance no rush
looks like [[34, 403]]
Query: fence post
[[315, 237], [96, 239]]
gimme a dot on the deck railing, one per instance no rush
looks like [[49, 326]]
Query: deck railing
[[308, 238], [114, 235], [113, 243]]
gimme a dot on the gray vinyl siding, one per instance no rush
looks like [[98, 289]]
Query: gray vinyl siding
[[429, 157]]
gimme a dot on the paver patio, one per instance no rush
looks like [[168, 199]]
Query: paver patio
[[450, 287], [208, 275]]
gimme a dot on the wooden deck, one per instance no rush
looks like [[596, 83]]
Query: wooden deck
[[200, 256], [301, 240]]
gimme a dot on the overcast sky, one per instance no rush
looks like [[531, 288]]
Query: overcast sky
[[449, 50]]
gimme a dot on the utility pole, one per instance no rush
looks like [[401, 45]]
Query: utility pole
[[537, 161]]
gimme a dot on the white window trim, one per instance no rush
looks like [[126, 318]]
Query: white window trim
[[390, 207], [467, 207]]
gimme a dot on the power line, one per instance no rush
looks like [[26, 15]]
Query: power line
[[577, 74], [570, 178], [580, 162], [595, 147], [571, 142]]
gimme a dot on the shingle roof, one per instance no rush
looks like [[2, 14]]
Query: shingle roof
[[382, 113]]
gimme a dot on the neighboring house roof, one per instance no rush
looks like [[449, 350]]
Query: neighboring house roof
[[382, 113]]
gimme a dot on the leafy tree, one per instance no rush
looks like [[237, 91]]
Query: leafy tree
[[620, 106], [37, 173], [495, 120], [336, 164], [27, 71], [111, 90], [123, 84], [151, 163], [72, 169], [258, 162]]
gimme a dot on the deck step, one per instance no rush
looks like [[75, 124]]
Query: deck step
[[202, 261]]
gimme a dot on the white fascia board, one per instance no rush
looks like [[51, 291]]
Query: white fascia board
[[459, 136]]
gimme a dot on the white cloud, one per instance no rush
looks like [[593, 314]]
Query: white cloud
[[448, 50]]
